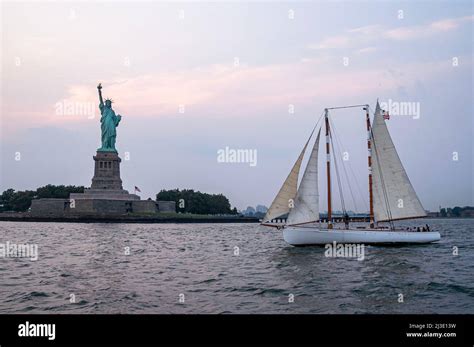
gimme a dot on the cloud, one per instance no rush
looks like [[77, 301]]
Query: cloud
[[423, 31], [364, 36], [366, 50], [332, 42], [366, 30], [227, 92]]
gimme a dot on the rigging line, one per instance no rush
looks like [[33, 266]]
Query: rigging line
[[339, 143], [320, 117], [350, 106], [319, 120], [312, 131], [337, 169], [341, 196]]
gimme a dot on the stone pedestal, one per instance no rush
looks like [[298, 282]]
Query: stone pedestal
[[106, 171], [106, 183]]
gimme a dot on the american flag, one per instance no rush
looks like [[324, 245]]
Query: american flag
[[386, 116], [137, 189]]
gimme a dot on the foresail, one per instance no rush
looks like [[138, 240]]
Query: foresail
[[394, 196], [281, 203], [306, 204]]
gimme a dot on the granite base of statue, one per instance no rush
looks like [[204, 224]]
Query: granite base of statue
[[106, 183]]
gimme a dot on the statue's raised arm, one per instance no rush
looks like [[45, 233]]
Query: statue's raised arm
[[99, 88]]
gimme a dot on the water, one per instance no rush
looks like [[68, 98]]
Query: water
[[198, 261]]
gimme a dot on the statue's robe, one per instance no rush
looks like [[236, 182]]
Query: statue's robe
[[109, 121]]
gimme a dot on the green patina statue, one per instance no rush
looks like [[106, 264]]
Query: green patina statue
[[109, 121]]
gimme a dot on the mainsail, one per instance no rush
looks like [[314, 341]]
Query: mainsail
[[307, 198], [394, 196], [281, 203]]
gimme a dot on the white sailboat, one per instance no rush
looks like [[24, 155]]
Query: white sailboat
[[391, 196]]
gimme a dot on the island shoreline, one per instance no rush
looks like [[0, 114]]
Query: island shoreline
[[127, 219]]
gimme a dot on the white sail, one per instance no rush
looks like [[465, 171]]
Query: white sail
[[307, 197], [287, 193], [394, 196]]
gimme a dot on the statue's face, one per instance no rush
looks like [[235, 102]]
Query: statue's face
[[108, 104]]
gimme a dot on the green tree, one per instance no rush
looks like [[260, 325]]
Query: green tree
[[59, 192], [457, 211], [6, 200], [197, 202], [21, 201]]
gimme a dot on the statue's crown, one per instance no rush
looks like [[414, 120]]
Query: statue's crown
[[111, 101]]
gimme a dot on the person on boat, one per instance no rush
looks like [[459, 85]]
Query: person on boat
[[427, 227], [418, 229], [346, 220], [423, 229]]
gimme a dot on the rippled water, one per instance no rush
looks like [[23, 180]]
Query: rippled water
[[198, 260]]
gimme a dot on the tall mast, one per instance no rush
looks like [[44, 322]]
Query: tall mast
[[328, 168], [369, 147]]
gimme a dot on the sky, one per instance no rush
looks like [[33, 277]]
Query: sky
[[191, 79]]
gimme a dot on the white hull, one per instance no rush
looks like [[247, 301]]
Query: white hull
[[306, 235]]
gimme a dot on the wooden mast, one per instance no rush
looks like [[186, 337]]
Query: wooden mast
[[328, 168], [369, 147]]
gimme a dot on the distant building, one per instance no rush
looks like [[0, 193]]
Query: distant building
[[468, 213], [259, 211], [249, 211], [430, 214]]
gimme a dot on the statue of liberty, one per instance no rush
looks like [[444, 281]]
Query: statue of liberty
[[109, 121]]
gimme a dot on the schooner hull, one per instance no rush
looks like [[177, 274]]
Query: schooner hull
[[301, 235]]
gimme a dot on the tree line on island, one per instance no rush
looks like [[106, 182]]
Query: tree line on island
[[20, 201], [463, 212], [187, 200]]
